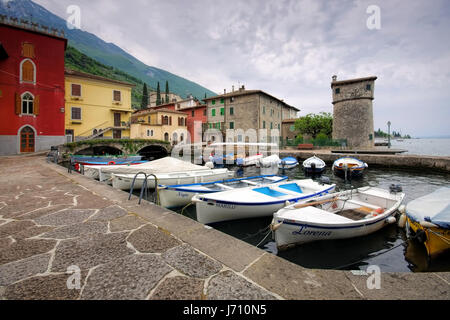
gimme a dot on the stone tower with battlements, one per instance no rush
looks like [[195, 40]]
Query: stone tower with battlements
[[353, 111]]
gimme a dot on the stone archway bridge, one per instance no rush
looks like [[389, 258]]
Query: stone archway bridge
[[125, 146]]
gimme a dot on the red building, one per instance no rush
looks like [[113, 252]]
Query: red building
[[196, 113], [31, 87]]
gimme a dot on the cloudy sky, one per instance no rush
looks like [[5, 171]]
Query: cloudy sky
[[292, 48]]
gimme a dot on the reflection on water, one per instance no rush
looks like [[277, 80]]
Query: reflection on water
[[387, 248]]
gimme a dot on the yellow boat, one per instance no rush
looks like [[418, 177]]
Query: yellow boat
[[429, 219]]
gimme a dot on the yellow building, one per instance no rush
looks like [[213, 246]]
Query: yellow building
[[162, 124], [96, 107]]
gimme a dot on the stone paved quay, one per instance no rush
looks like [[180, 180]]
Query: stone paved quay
[[51, 221]]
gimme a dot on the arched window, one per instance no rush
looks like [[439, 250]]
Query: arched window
[[27, 103], [175, 137], [28, 71], [166, 137], [94, 132]]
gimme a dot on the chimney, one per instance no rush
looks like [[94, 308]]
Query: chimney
[[232, 88], [242, 88], [224, 91], [334, 78]]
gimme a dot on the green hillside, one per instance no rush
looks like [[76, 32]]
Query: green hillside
[[78, 61]]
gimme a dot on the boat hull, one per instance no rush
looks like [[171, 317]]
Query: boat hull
[[297, 233], [437, 240], [212, 211], [178, 196], [124, 182]]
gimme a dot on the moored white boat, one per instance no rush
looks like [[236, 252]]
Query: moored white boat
[[248, 161], [288, 163], [268, 162], [342, 215], [256, 201], [124, 181], [314, 165], [173, 196], [349, 167], [164, 165]]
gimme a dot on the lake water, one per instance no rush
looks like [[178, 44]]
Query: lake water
[[387, 248], [431, 147]]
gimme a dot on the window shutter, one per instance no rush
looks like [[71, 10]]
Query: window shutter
[[162, 120], [28, 50], [36, 108], [76, 90], [18, 104], [170, 121], [27, 71]]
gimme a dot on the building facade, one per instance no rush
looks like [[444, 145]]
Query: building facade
[[31, 87], [245, 110], [161, 124], [196, 116], [96, 107], [353, 111]]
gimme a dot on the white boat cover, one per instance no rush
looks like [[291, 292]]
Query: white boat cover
[[164, 165], [434, 208]]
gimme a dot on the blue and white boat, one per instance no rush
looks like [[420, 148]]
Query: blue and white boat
[[175, 196], [288, 163], [314, 165], [255, 201], [343, 215], [349, 167]]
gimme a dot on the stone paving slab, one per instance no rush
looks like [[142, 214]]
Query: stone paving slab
[[22, 249], [90, 251], [48, 287], [65, 217], [179, 288], [229, 286], [131, 277], [190, 262], [18, 270], [128, 222], [149, 239]]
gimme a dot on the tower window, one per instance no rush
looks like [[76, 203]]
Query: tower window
[[338, 90], [368, 87], [27, 104]]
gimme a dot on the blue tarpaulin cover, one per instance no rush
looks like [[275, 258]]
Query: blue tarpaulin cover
[[434, 208]]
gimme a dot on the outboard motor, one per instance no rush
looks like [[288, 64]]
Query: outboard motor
[[394, 188], [325, 180]]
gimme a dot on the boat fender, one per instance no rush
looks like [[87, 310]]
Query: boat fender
[[391, 220], [287, 203], [402, 209], [111, 163], [427, 224], [209, 165], [275, 226], [402, 221]]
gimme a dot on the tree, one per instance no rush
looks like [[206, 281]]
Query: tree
[[144, 102], [158, 95], [313, 124], [167, 91]]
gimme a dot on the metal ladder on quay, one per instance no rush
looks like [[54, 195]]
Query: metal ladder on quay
[[144, 187]]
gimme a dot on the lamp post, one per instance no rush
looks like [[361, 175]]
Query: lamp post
[[389, 134]]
